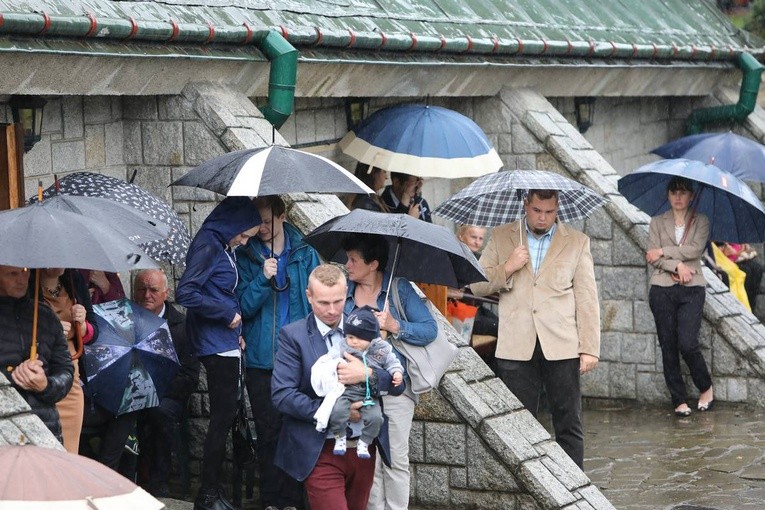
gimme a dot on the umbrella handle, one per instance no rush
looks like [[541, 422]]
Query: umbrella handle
[[79, 345], [33, 349]]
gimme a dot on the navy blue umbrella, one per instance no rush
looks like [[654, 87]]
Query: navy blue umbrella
[[422, 140], [734, 211], [133, 360], [736, 154]]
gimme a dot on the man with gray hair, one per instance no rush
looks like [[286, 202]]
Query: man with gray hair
[[158, 426]]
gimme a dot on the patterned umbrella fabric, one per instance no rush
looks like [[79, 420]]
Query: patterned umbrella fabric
[[272, 171], [171, 249], [422, 140], [497, 199], [38, 478], [133, 360]]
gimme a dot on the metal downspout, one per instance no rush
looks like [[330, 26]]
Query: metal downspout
[[750, 86], [282, 78]]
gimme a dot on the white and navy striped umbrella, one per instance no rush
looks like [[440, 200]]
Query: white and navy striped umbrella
[[422, 140], [497, 199], [272, 170]]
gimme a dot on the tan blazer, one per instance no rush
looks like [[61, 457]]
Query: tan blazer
[[559, 304], [661, 234]]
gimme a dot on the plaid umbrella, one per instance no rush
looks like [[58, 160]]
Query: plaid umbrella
[[497, 199]]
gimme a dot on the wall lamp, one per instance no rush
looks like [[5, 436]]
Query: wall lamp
[[356, 110], [584, 109], [28, 111]]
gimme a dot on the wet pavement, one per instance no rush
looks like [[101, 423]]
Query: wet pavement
[[647, 458]]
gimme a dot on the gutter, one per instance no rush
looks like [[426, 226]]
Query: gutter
[[280, 53], [747, 100]]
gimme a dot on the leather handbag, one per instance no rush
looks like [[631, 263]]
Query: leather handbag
[[426, 364], [244, 445]]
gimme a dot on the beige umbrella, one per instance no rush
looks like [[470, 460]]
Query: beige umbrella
[[37, 478]]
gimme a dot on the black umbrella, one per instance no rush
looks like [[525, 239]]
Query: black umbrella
[[418, 251], [272, 170], [172, 249]]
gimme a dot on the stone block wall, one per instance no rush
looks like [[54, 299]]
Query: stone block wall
[[630, 367]]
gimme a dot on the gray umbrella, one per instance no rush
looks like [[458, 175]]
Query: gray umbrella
[[37, 236], [123, 219], [173, 248], [497, 199]]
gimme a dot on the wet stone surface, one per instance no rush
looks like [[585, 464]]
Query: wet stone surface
[[647, 458]]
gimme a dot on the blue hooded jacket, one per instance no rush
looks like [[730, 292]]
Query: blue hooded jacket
[[207, 286], [260, 313]]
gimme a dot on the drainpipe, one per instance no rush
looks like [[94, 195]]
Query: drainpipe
[[282, 78], [747, 100]]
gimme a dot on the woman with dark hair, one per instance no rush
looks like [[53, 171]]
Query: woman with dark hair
[[374, 178], [214, 328], [66, 293], [677, 240], [368, 286]]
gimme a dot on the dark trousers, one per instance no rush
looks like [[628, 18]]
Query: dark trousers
[[341, 482], [112, 431], [560, 381], [158, 435], [222, 384], [371, 416], [753, 270], [277, 488], [677, 311]]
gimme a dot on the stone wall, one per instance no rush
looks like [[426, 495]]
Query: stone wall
[[732, 339]]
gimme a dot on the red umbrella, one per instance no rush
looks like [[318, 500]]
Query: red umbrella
[[33, 477]]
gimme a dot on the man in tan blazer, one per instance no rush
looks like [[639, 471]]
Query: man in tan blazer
[[549, 316]]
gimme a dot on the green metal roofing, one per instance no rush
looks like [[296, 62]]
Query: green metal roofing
[[595, 29]]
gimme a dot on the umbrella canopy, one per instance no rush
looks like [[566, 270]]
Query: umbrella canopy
[[37, 236], [734, 211], [133, 361], [37, 478], [125, 220], [422, 140], [497, 199], [272, 171], [172, 249], [427, 253], [740, 156]]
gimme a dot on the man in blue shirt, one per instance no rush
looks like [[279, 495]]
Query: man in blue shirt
[[273, 274]]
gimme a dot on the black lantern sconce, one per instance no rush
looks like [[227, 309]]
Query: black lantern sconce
[[28, 111], [356, 110], [584, 109]]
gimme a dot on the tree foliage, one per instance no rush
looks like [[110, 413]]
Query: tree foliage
[[756, 22]]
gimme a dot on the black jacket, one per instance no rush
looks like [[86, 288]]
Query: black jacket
[[185, 381], [16, 317]]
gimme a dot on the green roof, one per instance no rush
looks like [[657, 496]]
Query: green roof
[[596, 29]]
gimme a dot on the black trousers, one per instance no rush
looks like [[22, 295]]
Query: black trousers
[[158, 435], [113, 432], [677, 311], [753, 270], [277, 488], [222, 385], [560, 380]]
